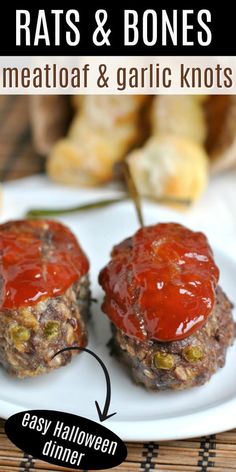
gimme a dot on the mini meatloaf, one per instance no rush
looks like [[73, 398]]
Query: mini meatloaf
[[171, 322], [44, 296]]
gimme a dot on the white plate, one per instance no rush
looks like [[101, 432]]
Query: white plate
[[141, 415]]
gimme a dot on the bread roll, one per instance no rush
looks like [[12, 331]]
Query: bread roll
[[181, 115], [100, 136], [169, 166], [109, 111], [87, 156]]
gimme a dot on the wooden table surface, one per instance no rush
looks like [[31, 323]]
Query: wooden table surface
[[216, 453]]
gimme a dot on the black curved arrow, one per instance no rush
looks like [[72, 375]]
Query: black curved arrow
[[103, 414]]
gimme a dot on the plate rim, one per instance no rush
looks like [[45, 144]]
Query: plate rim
[[203, 423]]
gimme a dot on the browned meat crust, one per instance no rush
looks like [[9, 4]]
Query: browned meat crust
[[30, 336], [180, 364]]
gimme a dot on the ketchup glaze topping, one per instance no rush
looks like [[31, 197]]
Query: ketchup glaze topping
[[38, 259], [160, 283]]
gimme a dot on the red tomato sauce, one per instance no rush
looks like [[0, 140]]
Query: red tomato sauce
[[160, 284], [38, 259]]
